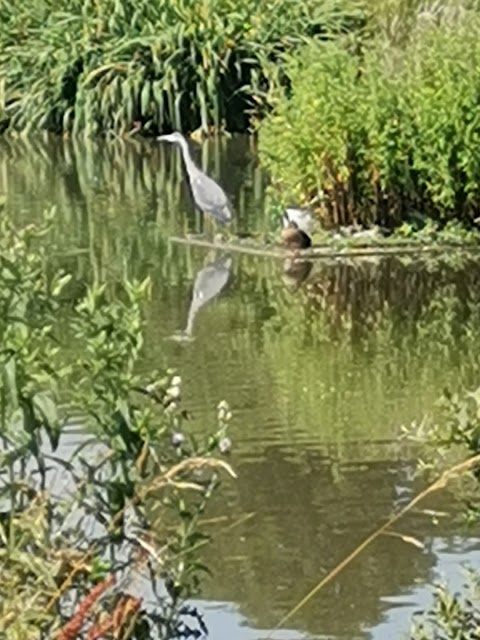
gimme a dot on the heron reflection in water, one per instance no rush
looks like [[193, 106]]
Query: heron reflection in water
[[208, 196], [209, 282]]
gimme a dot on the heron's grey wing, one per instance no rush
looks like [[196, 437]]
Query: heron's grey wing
[[210, 197]]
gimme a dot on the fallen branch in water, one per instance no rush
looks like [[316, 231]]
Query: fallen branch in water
[[324, 251]]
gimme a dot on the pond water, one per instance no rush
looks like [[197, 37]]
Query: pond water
[[321, 365]]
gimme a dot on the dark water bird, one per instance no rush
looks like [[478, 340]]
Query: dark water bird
[[295, 272], [297, 226], [208, 284], [208, 196], [294, 238]]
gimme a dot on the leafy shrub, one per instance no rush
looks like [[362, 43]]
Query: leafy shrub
[[370, 133], [453, 434], [451, 617], [77, 522]]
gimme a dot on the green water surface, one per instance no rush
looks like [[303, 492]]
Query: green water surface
[[321, 365]]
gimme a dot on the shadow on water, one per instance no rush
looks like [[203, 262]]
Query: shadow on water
[[321, 362]]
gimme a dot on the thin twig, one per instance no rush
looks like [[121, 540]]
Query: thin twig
[[226, 246], [325, 252]]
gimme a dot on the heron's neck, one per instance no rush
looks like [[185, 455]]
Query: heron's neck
[[187, 158]]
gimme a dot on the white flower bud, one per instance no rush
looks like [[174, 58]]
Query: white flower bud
[[174, 392]]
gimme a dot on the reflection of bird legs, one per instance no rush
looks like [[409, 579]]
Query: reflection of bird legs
[[203, 235], [197, 235]]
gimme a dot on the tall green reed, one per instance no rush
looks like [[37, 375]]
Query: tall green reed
[[111, 66]]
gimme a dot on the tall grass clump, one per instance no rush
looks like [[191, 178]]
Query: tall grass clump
[[371, 130], [117, 65]]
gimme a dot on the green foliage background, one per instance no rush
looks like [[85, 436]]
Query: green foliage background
[[371, 130], [103, 66]]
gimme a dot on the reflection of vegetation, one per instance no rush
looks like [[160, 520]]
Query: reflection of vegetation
[[109, 196], [67, 545], [450, 618], [401, 299], [317, 516]]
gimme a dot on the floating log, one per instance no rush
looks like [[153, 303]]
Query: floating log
[[325, 251]]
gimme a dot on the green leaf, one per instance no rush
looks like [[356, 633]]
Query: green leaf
[[47, 408], [10, 375], [44, 403]]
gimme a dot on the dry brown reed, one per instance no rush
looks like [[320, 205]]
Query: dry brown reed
[[125, 611], [73, 627], [120, 622]]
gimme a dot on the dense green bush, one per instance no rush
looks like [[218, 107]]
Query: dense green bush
[[100, 66], [370, 133], [79, 517]]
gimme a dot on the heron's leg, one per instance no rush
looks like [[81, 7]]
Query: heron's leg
[[210, 223]]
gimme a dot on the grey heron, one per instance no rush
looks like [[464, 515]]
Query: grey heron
[[208, 196]]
